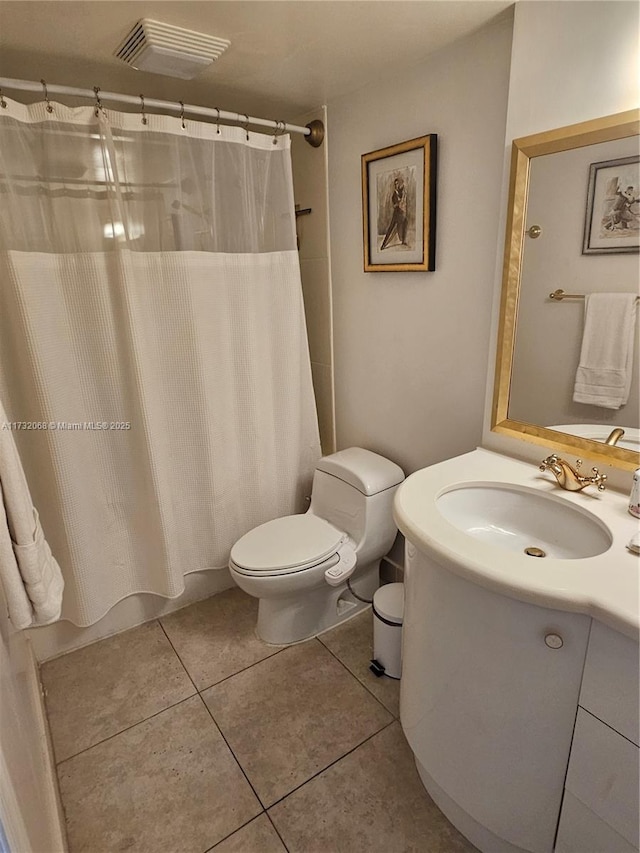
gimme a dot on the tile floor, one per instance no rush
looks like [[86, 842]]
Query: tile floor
[[188, 734]]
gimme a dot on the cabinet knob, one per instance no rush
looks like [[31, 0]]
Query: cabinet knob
[[554, 641]]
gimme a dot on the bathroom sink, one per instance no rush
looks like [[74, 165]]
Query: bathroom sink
[[524, 520]]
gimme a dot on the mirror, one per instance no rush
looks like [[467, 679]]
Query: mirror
[[540, 335]]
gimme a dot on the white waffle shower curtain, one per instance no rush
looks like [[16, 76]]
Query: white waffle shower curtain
[[153, 350]]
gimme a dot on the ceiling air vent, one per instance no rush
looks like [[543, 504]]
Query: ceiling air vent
[[165, 49]]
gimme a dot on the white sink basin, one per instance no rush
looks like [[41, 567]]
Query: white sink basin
[[524, 520]]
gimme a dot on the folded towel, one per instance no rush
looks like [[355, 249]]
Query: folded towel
[[31, 578], [603, 377]]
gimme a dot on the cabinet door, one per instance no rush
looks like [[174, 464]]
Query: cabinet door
[[487, 706], [611, 682], [580, 830], [603, 774]]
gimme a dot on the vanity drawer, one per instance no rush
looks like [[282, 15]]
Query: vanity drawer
[[611, 680], [580, 830], [603, 775]]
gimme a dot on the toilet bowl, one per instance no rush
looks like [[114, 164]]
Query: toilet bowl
[[310, 571]]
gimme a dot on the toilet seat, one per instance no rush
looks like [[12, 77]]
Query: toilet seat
[[287, 545]]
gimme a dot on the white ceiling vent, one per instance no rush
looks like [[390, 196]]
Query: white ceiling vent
[[165, 49]]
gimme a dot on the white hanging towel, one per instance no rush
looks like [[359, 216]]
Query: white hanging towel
[[603, 377], [30, 576]]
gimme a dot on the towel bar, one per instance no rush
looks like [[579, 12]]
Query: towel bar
[[559, 295]]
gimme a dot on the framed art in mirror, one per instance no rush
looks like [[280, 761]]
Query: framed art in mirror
[[513, 323], [612, 223], [399, 206]]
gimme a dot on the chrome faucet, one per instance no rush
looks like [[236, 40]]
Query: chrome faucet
[[614, 436], [568, 476]]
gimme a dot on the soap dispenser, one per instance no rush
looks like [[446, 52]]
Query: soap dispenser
[[634, 497]]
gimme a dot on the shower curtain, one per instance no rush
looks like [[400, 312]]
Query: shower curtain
[[153, 352]]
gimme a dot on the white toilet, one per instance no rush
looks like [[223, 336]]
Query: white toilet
[[305, 568]]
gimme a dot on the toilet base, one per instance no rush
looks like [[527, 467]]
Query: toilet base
[[293, 618]]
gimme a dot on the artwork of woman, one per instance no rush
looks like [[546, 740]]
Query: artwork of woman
[[623, 215], [398, 221]]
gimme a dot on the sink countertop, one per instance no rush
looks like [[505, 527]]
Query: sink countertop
[[606, 587]]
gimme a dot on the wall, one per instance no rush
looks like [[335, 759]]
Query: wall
[[411, 348], [30, 812], [571, 61], [549, 335], [310, 189]]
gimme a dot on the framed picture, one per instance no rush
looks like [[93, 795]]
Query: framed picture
[[399, 206], [612, 222]]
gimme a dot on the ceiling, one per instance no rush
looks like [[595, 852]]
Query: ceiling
[[286, 56]]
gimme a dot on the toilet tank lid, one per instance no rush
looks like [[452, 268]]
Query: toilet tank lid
[[366, 471]]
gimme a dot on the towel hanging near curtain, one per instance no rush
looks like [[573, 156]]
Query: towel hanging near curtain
[[30, 577], [603, 377]]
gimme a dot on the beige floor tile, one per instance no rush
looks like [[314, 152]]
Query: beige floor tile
[[352, 643], [169, 783], [372, 801], [216, 638], [96, 692], [289, 717], [259, 836]]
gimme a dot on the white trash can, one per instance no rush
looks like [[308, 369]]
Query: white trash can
[[388, 612]]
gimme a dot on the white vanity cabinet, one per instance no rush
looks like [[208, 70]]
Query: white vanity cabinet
[[489, 692], [520, 685], [602, 789]]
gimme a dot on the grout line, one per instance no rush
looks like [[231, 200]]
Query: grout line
[[246, 823], [324, 769], [270, 819], [244, 669], [126, 729], [362, 683], [173, 704], [263, 812], [389, 723], [195, 687], [262, 806]]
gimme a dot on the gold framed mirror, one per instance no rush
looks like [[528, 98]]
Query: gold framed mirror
[[515, 420]]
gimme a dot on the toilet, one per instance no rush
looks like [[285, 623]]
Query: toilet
[[314, 570]]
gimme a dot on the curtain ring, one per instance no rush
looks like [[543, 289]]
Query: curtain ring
[[144, 117], [182, 114], [217, 109], [46, 97], [99, 108], [245, 125], [275, 133], [3, 103]]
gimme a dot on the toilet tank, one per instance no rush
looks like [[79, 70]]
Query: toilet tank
[[353, 489]]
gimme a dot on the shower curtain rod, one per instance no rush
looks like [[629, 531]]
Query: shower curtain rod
[[313, 132]]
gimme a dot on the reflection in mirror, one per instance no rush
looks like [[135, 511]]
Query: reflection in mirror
[[628, 438], [543, 341]]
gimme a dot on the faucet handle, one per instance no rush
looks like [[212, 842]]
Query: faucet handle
[[548, 462], [598, 479]]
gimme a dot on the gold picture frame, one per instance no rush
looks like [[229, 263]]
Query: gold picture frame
[[399, 206], [593, 132]]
